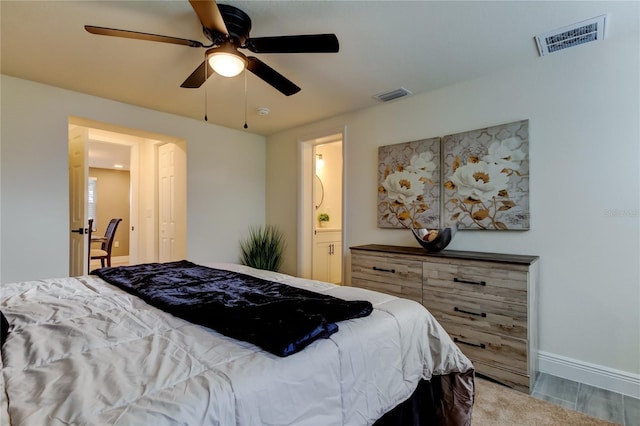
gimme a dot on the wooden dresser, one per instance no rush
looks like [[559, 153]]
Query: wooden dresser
[[485, 301]]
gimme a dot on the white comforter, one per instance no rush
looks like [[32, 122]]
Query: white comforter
[[84, 352]]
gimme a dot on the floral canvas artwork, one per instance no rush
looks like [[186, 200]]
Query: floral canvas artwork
[[409, 184], [486, 178]]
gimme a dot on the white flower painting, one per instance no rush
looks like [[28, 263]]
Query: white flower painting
[[483, 183], [486, 178], [409, 184], [479, 181]]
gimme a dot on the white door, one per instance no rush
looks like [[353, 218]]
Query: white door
[[78, 175], [172, 202]]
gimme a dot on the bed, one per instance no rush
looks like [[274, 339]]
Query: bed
[[84, 351]]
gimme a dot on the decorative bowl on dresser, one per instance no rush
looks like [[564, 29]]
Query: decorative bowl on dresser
[[434, 240], [485, 301]]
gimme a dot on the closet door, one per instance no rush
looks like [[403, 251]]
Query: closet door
[[172, 200]]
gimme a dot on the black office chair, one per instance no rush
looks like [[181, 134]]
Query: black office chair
[[104, 252]]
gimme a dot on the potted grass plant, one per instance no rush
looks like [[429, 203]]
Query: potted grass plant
[[323, 220], [263, 248]]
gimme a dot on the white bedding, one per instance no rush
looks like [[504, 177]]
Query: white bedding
[[84, 352]]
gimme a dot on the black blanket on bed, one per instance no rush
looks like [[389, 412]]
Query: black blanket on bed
[[277, 317]]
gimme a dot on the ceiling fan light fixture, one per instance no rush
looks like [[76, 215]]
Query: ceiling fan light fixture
[[226, 60], [228, 28]]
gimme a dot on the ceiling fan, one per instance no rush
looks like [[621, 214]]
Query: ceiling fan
[[227, 28]]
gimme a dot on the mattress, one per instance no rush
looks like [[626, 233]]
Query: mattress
[[81, 351]]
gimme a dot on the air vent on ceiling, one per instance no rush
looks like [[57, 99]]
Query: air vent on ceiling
[[572, 35], [392, 95]]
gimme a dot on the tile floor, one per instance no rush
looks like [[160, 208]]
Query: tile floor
[[596, 402]]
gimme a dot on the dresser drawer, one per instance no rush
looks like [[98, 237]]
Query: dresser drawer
[[492, 349], [522, 382], [481, 314], [398, 277], [497, 282]]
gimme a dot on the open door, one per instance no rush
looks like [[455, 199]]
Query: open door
[[172, 203], [78, 175]]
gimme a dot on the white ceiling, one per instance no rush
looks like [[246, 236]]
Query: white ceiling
[[108, 155], [384, 45]]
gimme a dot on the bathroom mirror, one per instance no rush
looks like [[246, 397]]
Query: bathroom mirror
[[319, 191]]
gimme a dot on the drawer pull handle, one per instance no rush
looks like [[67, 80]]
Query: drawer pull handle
[[481, 314], [481, 345], [458, 280], [393, 271]]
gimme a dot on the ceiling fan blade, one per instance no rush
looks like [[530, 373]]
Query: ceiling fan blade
[[314, 43], [209, 15], [197, 77], [271, 76], [142, 36]]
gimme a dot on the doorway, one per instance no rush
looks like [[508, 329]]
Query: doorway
[[109, 196], [142, 150], [320, 236]]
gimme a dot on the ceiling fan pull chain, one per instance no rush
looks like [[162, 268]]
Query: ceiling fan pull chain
[[206, 70], [245, 99]]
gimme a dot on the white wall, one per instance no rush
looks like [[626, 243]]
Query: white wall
[[225, 178], [583, 107]]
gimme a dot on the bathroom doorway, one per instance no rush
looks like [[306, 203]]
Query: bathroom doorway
[[321, 239]]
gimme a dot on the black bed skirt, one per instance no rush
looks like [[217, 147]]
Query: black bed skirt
[[436, 402]]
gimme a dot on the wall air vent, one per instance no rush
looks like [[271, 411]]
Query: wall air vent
[[572, 35], [392, 95]]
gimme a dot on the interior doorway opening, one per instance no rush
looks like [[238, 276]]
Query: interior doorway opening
[[146, 206], [321, 213], [109, 197]]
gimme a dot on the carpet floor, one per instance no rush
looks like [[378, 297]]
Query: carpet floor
[[497, 405]]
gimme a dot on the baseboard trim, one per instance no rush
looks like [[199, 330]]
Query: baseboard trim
[[599, 376]]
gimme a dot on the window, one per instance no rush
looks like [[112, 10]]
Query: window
[[92, 200]]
